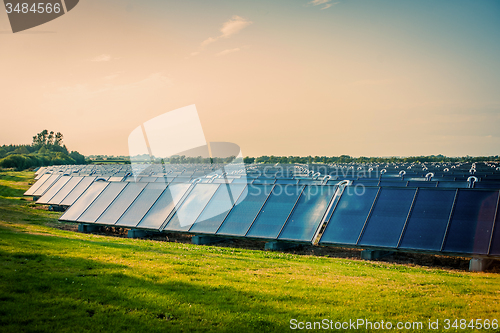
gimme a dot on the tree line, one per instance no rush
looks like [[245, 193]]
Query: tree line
[[46, 149]]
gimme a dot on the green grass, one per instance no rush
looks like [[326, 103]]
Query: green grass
[[57, 280]]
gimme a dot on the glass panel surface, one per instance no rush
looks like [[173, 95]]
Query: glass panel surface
[[287, 181], [141, 205], [244, 212], [83, 202], [192, 207], [42, 189], [495, 241], [37, 184], [217, 209], [121, 203], [307, 215], [349, 216], [428, 220], [67, 188], [53, 190], [102, 202], [472, 221], [77, 191], [162, 208], [388, 217], [275, 212]]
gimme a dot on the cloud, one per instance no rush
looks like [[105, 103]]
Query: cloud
[[102, 57], [227, 52], [327, 3], [229, 28]]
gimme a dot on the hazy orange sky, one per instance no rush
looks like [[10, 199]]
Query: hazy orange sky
[[284, 77]]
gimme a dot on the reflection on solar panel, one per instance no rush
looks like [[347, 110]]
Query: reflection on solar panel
[[275, 212], [77, 191], [141, 205], [217, 209], [386, 222], [121, 203], [246, 209], [308, 213], [77, 209], [54, 189], [164, 206], [349, 217], [428, 220], [472, 222], [192, 207]]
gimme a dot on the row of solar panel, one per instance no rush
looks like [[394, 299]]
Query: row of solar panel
[[285, 212], [422, 219]]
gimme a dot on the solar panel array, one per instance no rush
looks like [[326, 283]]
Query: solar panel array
[[427, 207]]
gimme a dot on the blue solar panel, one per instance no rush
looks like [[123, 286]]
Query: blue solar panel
[[192, 207], [164, 206], [427, 224], [275, 212], [495, 239], [217, 209], [472, 221], [308, 213], [349, 217], [388, 217], [243, 214]]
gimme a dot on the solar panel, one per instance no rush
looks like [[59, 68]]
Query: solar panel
[[471, 222], [46, 185], [217, 209], [141, 205], [388, 217], [429, 218], [37, 184], [164, 206], [192, 207], [77, 191], [275, 211], [246, 209], [121, 203], [84, 201], [54, 189], [495, 238], [102, 202], [349, 217], [308, 213], [65, 190]]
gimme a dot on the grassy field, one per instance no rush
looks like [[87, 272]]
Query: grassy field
[[57, 280]]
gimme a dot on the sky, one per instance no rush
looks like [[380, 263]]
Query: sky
[[276, 77]]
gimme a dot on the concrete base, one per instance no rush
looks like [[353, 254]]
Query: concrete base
[[479, 264], [374, 254], [88, 228], [137, 233], [279, 246], [204, 240], [56, 208]]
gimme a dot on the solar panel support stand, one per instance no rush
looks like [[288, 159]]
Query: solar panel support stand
[[205, 240], [479, 264], [88, 228], [57, 208], [279, 246], [136, 233], [374, 254]]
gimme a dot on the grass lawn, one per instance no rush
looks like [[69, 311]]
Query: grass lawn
[[57, 280]]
